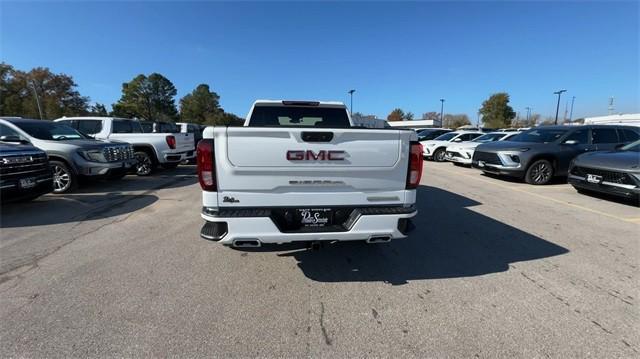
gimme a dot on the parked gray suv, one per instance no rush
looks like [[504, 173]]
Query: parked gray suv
[[71, 154], [539, 154]]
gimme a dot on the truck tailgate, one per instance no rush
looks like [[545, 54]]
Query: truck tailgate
[[261, 167]]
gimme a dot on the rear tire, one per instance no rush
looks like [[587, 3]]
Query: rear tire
[[539, 173], [64, 180], [438, 156]]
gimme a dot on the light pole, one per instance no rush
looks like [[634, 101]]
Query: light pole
[[441, 111], [528, 113], [571, 112], [35, 93], [559, 92], [350, 92]]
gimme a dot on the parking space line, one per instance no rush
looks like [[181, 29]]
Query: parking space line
[[514, 188]]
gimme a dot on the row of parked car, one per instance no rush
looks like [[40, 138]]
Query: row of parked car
[[599, 158], [38, 156]]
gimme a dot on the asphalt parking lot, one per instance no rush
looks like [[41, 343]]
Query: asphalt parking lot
[[495, 268]]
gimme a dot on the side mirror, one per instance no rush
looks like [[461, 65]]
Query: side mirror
[[570, 142], [457, 140], [12, 138], [619, 146]]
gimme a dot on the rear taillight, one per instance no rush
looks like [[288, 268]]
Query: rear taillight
[[415, 165], [171, 141], [206, 165]]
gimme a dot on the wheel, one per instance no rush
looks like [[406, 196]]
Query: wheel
[[145, 165], [438, 156], [539, 173], [64, 180], [170, 166]]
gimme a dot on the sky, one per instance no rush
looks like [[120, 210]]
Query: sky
[[404, 55]]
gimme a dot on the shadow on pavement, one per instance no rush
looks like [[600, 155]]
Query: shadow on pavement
[[558, 180], [450, 241], [633, 202], [174, 178], [71, 208]]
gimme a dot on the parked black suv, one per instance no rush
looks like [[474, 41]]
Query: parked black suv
[[539, 154], [612, 172], [24, 171]]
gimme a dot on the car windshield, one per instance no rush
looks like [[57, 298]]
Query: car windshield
[[446, 136], [489, 137], [632, 147], [540, 135], [52, 131]]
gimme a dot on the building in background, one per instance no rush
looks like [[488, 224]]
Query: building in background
[[415, 124], [631, 119]]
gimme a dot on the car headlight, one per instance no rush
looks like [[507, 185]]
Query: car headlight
[[430, 144], [93, 155], [524, 149]]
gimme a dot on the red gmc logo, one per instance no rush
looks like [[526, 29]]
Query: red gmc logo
[[310, 155]]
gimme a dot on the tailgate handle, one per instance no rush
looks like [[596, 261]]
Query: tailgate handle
[[317, 136]]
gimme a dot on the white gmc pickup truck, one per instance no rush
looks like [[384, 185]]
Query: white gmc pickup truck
[[300, 171]]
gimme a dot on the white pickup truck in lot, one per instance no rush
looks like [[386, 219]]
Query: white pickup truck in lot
[[300, 171], [151, 149]]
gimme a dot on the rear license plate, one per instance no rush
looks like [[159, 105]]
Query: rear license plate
[[27, 182], [594, 178], [315, 217]]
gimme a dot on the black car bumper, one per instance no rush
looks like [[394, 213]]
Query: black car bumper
[[498, 169], [10, 190], [620, 190]]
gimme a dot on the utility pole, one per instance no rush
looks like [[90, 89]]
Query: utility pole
[[528, 114], [566, 109], [559, 92], [441, 112], [350, 92], [571, 113], [611, 108], [35, 93]]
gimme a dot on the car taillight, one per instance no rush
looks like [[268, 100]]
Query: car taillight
[[415, 165], [206, 165], [171, 141]]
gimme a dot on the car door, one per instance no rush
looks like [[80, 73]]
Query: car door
[[605, 138], [575, 143]]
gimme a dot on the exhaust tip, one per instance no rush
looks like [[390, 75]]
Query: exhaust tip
[[379, 239], [246, 243]]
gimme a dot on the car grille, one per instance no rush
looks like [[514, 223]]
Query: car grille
[[487, 157], [118, 153], [23, 164], [607, 176]]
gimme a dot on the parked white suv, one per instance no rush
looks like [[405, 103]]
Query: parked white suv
[[463, 152], [300, 171], [435, 149], [151, 149]]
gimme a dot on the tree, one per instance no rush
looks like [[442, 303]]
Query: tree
[[455, 121], [201, 106], [56, 93], [433, 116], [98, 109], [409, 116], [150, 98], [396, 115], [533, 119], [496, 111]]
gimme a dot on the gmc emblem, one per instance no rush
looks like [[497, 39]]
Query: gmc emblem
[[321, 155]]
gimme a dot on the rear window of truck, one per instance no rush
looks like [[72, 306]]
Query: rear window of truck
[[299, 116]]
